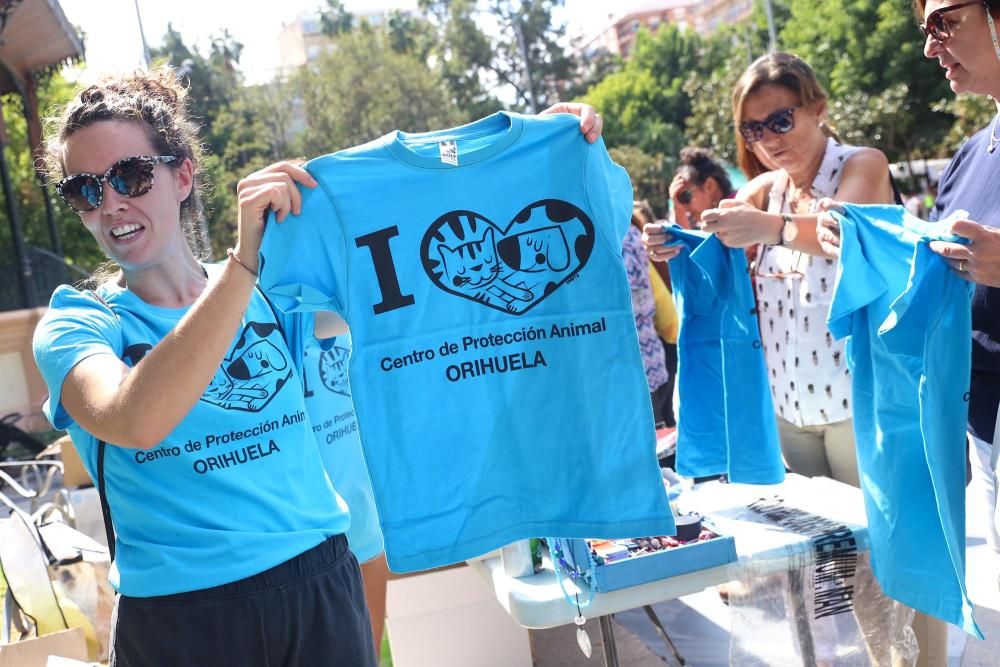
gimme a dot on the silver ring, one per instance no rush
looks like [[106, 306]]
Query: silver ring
[[961, 265]]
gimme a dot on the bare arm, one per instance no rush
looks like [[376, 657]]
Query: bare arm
[[865, 181], [138, 407]]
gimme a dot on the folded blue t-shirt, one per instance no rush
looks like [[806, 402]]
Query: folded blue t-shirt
[[496, 370], [725, 419], [238, 486], [331, 411], [908, 317]]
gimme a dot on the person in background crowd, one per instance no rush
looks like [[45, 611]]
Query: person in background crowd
[[665, 321], [644, 310], [963, 37], [700, 183]]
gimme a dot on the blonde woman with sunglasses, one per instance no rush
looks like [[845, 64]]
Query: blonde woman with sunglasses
[[793, 159]]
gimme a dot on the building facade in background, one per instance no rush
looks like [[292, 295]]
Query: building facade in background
[[618, 35], [710, 15], [302, 40]]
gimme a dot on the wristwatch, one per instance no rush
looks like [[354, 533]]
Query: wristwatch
[[789, 230]]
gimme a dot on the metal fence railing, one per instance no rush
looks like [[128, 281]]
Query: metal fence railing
[[48, 271]]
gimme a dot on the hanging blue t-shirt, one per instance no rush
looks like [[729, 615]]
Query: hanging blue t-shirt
[[238, 486], [331, 411], [496, 370], [725, 421], [908, 318]]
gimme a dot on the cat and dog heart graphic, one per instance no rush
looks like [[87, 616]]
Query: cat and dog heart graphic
[[510, 268]]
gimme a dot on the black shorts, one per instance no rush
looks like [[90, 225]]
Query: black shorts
[[309, 610]]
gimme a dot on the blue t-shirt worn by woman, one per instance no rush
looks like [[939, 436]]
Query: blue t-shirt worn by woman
[[331, 410], [238, 486]]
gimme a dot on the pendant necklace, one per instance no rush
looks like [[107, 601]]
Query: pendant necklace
[[994, 139]]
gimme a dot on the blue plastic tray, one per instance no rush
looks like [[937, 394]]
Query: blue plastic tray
[[653, 566]]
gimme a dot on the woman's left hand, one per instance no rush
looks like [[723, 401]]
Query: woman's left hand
[[827, 227], [979, 261], [591, 123], [740, 225]]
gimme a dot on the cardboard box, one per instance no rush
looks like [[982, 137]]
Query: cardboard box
[[74, 474], [36, 652], [636, 570]]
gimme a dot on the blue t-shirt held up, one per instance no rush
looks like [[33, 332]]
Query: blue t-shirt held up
[[496, 370], [331, 411], [908, 318], [238, 486], [726, 421]]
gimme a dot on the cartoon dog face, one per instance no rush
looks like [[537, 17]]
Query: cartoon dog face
[[543, 249]]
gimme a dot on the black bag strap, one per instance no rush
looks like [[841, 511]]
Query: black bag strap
[[109, 528]]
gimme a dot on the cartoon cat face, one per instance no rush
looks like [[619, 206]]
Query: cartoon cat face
[[471, 265]]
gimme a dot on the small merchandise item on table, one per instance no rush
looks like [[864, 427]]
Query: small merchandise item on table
[[689, 530]]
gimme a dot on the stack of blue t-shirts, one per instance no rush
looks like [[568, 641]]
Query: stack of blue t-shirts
[[909, 321], [725, 421]]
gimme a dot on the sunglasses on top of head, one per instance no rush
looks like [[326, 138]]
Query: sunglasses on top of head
[[935, 26], [780, 122], [130, 177]]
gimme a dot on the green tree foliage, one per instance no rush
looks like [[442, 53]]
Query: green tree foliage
[[711, 121], [646, 101], [463, 54], [77, 244], [863, 50], [217, 100], [972, 113], [649, 181], [364, 89], [522, 52], [334, 19], [529, 55], [410, 34]]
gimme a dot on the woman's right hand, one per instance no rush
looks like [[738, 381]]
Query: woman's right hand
[[682, 216], [271, 188], [654, 237]]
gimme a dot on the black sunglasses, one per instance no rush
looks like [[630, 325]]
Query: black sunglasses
[[779, 122], [130, 177], [936, 27]]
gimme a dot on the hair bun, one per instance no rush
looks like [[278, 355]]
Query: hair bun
[[159, 85]]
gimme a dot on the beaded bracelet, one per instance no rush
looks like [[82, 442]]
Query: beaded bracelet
[[233, 256]]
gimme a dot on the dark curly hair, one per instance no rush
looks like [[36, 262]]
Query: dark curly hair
[[697, 165], [156, 101]]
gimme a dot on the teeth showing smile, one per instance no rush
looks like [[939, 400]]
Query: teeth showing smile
[[123, 231]]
